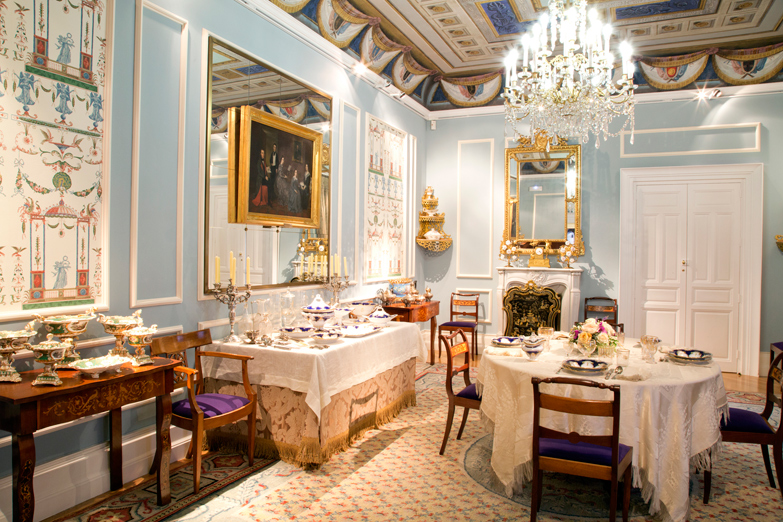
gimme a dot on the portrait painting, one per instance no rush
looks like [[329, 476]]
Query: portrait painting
[[279, 171]]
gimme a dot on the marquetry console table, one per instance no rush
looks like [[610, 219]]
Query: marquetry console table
[[418, 313], [25, 408]]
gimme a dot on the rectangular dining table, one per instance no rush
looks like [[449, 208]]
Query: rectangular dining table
[[670, 416], [313, 402], [25, 408]]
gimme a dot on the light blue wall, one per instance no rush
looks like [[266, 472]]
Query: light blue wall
[[231, 22], [601, 192]]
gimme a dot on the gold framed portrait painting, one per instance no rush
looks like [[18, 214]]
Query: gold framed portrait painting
[[279, 171]]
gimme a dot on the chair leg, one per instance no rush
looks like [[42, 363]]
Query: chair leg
[[534, 497], [540, 489], [475, 341], [196, 441], [155, 463], [777, 453], [464, 421], [627, 479], [707, 483], [251, 436], [449, 420], [613, 500], [189, 454], [440, 348], [767, 464]]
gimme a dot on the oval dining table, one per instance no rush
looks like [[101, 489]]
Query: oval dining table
[[670, 415]]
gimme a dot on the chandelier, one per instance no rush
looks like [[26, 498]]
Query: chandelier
[[574, 93]]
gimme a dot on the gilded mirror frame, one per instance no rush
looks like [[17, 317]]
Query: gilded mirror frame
[[543, 149], [325, 161]]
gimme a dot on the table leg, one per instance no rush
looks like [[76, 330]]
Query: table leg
[[163, 446], [115, 449], [23, 459], [433, 334]]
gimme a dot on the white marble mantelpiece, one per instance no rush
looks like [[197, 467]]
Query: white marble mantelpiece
[[564, 281]]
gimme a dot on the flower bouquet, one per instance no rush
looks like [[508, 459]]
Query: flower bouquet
[[598, 331]]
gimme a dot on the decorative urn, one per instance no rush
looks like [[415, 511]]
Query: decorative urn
[[11, 341], [49, 353], [140, 337], [117, 325]]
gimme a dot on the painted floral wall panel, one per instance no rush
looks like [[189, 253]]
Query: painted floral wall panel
[[384, 203], [52, 68]]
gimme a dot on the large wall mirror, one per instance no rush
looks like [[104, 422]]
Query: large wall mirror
[[543, 195], [238, 80]]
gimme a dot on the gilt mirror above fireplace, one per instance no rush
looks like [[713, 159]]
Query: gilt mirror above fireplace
[[543, 195]]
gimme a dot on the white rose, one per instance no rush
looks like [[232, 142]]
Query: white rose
[[603, 338], [590, 326], [609, 329]]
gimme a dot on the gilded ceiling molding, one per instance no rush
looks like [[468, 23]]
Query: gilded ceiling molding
[[747, 66]]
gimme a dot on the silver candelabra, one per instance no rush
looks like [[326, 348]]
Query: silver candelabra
[[336, 284], [231, 298]]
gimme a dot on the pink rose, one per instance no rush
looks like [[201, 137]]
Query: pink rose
[[590, 326]]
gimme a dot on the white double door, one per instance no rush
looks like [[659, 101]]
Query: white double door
[[688, 265]]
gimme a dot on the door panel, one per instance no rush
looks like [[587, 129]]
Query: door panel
[[661, 225], [713, 270]]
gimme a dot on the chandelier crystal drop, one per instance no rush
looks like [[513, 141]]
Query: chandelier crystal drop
[[574, 93]]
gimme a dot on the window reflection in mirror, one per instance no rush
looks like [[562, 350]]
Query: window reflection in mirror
[[276, 253]]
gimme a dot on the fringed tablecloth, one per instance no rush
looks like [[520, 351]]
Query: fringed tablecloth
[[314, 403], [671, 418]]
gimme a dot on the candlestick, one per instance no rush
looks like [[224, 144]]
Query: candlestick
[[231, 298]]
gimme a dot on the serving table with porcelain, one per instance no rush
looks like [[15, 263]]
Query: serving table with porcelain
[[313, 399], [670, 416]]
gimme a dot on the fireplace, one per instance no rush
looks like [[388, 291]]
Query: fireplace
[[529, 307], [563, 282]]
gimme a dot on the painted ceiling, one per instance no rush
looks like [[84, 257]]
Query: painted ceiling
[[451, 51]]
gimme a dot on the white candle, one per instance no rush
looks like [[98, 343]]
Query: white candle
[[337, 264], [217, 270], [345, 260], [247, 271]]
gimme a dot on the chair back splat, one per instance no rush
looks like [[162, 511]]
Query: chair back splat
[[594, 456], [601, 308], [463, 315], [456, 344]]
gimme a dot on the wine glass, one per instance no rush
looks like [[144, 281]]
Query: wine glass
[[546, 332], [649, 347], [587, 347], [620, 331]]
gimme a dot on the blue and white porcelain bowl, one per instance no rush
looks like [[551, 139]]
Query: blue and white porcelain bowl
[[327, 337], [363, 308], [318, 320], [533, 351], [380, 317], [507, 342], [297, 332], [689, 356], [534, 341], [318, 306]]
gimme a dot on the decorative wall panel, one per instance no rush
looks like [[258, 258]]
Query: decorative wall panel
[[52, 76], [384, 201]]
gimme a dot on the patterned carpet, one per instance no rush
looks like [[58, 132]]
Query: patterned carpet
[[395, 473]]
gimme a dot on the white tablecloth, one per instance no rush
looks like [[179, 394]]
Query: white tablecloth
[[321, 373], [671, 419]]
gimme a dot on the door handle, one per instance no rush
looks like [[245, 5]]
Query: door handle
[[684, 264]]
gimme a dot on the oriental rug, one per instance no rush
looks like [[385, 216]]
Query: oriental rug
[[396, 473]]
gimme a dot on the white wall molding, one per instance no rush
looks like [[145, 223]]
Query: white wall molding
[[756, 126], [410, 215], [752, 176], [458, 235], [488, 320], [135, 302], [63, 483]]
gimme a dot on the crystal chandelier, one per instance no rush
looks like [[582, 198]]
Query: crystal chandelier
[[574, 93]]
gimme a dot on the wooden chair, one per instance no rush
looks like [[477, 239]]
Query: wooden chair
[[462, 306], [601, 308], [594, 456], [204, 411], [754, 428], [467, 398]]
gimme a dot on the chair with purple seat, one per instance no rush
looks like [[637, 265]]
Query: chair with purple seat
[[754, 428], [467, 398], [204, 411], [593, 456], [463, 315]]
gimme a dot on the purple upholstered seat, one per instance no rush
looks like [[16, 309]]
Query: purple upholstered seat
[[212, 404], [460, 324], [581, 451], [469, 393], [745, 421]]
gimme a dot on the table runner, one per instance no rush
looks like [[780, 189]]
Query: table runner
[[671, 420], [320, 374]]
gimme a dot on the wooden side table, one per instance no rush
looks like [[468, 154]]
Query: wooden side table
[[25, 409], [418, 313]]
